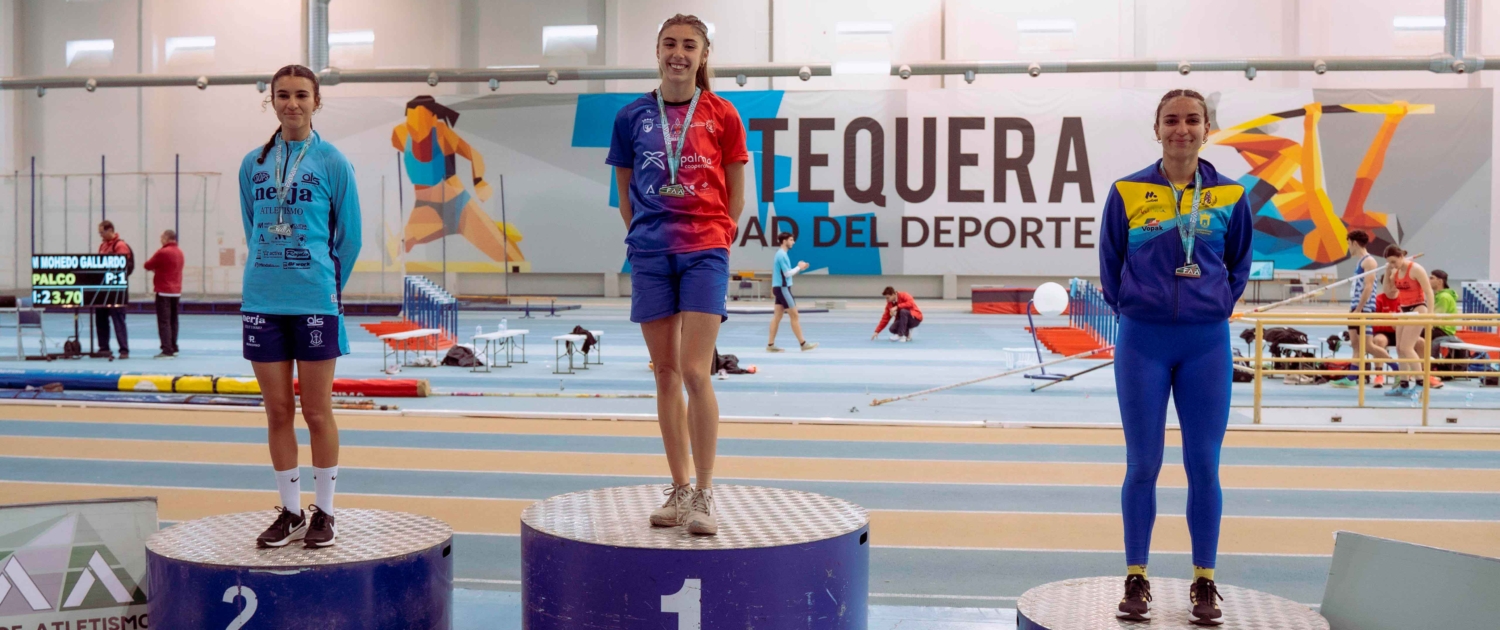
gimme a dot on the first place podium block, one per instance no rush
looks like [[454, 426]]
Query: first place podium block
[[781, 559], [389, 571]]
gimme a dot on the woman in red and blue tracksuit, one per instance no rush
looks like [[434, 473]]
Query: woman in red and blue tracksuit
[[1174, 256]]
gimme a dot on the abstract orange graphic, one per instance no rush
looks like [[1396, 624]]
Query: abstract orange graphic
[[1295, 223]]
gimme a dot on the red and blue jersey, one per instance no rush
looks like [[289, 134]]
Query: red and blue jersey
[[662, 224]]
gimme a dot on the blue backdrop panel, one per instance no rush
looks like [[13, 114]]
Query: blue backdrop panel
[[390, 571], [664, 578]]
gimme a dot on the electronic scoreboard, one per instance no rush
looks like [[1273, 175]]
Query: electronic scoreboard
[[79, 280]]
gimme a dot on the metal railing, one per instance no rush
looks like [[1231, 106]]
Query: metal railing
[[969, 70], [1362, 364]]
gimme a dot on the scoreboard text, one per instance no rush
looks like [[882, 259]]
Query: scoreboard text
[[79, 280]]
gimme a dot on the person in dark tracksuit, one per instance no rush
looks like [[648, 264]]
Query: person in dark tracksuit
[[1174, 257]]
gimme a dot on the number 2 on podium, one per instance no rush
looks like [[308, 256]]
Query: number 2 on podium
[[687, 602], [250, 605]]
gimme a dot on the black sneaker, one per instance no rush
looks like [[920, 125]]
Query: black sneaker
[[1205, 610], [1134, 606], [287, 528], [322, 532]]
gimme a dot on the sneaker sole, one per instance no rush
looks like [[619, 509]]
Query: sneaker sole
[[812, 347], [1206, 622], [329, 543], [698, 531], [296, 535], [657, 523], [1133, 617]]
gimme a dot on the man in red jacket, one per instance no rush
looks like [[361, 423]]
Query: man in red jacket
[[166, 263], [901, 313], [111, 243]]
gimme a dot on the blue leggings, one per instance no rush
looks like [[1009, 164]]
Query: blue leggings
[[1151, 361]]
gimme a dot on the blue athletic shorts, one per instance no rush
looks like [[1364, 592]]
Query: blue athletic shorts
[[784, 297], [276, 338], [662, 285]]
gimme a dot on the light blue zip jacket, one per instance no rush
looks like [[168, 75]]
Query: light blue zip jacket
[[304, 273]]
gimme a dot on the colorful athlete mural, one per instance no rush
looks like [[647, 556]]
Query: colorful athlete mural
[[430, 148], [1295, 223]]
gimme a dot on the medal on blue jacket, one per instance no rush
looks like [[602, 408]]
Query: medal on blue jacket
[[284, 182], [674, 153], [1186, 229]]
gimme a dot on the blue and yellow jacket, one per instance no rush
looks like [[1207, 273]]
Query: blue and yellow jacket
[[1140, 249]]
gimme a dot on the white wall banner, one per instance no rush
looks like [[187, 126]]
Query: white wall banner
[[75, 565], [971, 182]]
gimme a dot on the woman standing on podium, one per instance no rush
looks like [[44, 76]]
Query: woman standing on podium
[[300, 210], [679, 157], [1174, 256]]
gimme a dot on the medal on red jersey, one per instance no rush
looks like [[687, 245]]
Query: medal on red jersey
[[674, 150]]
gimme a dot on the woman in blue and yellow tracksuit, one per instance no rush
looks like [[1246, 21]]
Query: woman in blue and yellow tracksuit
[[1174, 255]]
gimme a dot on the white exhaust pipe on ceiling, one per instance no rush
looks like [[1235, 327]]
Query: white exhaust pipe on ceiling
[[317, 34]]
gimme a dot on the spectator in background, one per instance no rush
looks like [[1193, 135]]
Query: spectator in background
[[1363, 294], [166, 263], [111, 243], [901, 313], [1445, 301], [782, 271]]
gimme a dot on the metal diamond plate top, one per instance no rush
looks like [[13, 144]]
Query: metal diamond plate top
[[364, 535], [749, 517], [1090, 604]]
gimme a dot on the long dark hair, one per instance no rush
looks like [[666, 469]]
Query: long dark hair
[[443, 112], [704, 78], [293, 70]]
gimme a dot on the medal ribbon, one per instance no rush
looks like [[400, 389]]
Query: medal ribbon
[[1186, 232], [284, 180], [674, 154]]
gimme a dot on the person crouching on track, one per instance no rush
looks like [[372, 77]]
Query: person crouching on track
[[300, 209], [1174, 257], [901, 313], [680, 153]]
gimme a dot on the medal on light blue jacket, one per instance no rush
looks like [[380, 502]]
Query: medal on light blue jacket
[[674, 153], [1187, 230], [284, 182]]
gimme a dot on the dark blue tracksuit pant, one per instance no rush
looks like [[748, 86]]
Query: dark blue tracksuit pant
[[1192, 362]]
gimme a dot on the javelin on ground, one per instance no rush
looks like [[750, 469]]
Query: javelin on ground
[[882, 401]]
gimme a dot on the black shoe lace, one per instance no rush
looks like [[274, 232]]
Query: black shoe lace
[[1204, 590], [1136, 587], [319, 518], [286, 519]]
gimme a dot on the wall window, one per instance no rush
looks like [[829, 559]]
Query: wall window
[[90, 53]]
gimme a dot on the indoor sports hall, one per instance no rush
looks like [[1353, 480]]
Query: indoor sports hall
[[627, 314]]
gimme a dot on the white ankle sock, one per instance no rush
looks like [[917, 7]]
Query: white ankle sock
[[323, 480], [287, 483]]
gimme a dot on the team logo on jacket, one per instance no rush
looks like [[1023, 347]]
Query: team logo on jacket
[[261, 177], [1152, 225], [648, 124], [654, 158], [709, 126], [315, 321], [315, 339], [1208, 199], [309, 178], [298, 253], [1150, 195]]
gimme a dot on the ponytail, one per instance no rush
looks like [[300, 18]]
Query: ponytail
[[705, 77], [269, 145]]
